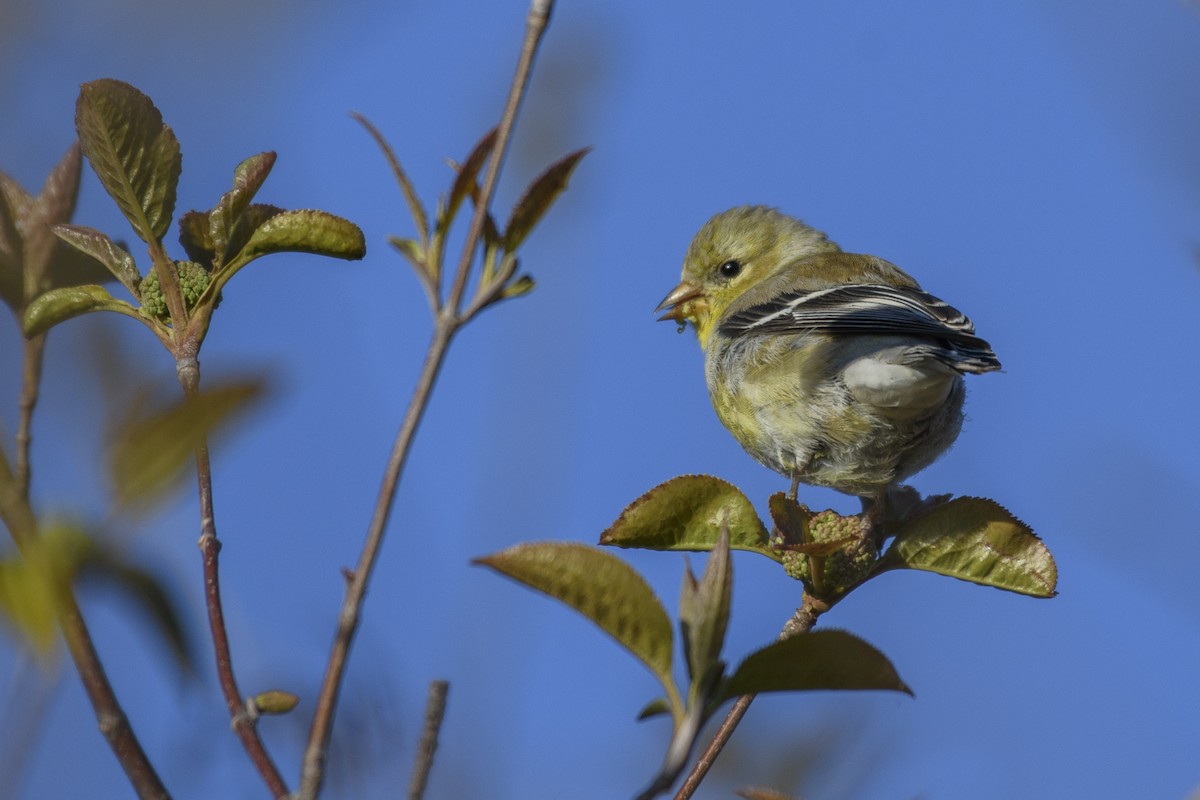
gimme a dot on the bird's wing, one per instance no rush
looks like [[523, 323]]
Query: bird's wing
[[870, 309]]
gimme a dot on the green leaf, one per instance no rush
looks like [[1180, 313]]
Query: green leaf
[[538, 198], [655, 708], [135, 156], [977, 540], [410, 193], [704, 613], [410, 249], [464, 181], [603, 588], [150, 453], [149, 592], [828, 659], [248, 178], [97, 245], [686, 513], [306, 231], [32, 584], [524, 284], [58, 305]]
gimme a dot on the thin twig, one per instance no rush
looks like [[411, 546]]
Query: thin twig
[[801, 622], [244, 725], [31, 381], [114, 725], [446, 324], [435, 711]]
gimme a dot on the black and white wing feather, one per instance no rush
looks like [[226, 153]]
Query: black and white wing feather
[[871, 309]]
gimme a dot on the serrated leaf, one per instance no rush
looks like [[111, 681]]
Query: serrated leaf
[[306, 231], [98, 246], [150, 593], [686, 513], [538, 198], [410, 193], [464, 181], [828, 659], [135, 156], [704, 611], [150, 453], [59, 305], [977, 540], [603, 588], [248, 178]]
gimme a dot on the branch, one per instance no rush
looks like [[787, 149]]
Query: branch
[[244, 724], [446, 324], [114, 725], [435, 710], [801, 622], [35, 350]]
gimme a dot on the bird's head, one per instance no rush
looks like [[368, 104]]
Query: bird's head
[[738, 252]]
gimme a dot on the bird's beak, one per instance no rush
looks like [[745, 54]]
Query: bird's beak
[[677, 303]]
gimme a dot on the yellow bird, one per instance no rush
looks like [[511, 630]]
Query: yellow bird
[[831, 368]]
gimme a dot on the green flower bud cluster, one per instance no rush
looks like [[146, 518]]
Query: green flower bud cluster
[[845, 566], [193, 280]]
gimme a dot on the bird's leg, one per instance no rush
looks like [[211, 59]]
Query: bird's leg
[[791, 495]]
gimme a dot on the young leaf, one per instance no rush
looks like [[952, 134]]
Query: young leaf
[[977, 540], [601, 587], [55, 204], [464, 181], [150, 454], [135, 156], [248, 177], [32, 583], [410, 193], [306, 232], [195, 238], [655, 708], [12, 258], [704, 612], [687, 513], [113, 256], [827, 659], [58, 305], [538, 198]]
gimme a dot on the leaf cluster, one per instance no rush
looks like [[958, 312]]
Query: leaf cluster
[[137, 159], [499, 276]]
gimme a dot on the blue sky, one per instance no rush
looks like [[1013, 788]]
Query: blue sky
[[1034, 164]]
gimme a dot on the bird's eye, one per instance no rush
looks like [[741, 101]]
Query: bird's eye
[[730, 269]]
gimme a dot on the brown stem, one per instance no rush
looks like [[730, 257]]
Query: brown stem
[[801, 622], [447, 323], [114, 725], [244, 724], [31, 380], [435, 711], [313, 768]]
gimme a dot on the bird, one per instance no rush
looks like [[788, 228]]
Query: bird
[[831, 368]]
